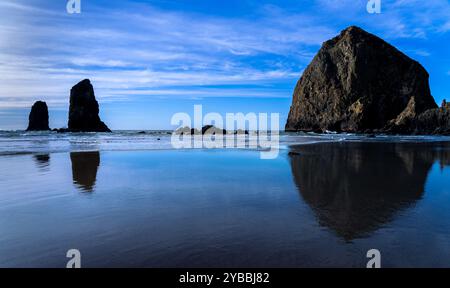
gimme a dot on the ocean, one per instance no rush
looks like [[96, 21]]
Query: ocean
[[127, 199]]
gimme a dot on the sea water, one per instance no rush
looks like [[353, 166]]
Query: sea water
[[129, 200]]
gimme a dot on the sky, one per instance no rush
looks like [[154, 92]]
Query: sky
[[149, 59]]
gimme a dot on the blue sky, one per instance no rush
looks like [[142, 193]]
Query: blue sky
[[151, 59]]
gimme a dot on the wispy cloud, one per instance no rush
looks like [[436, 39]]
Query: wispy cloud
[[419, 52], [50, 52], [399, 18], [139, 50]]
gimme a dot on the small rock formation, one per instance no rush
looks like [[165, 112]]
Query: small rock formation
[[359, 83], [38, 119], [186, 131], [433, 121], [61, 130], [210, 129], [206, 130], [84, 110], [241, 132]]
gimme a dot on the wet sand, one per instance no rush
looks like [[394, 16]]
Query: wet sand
[[317, 205]]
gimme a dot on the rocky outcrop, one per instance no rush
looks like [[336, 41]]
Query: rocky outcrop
[[359, 83], [241, 132], [210, 129], [433, 121], [206, 130], [38, 119], [84, 109]]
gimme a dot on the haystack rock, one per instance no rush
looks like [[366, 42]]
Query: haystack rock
[[38, 119], [359, 83], [84, 110]]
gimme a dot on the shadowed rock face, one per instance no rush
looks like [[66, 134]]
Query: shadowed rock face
[[434, 121], [358, 83], [84, 110], [355, 188], [38, 119], [84, 169]]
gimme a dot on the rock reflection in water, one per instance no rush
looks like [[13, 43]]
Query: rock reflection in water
[[84, 169], [42, 161], [355, 188]]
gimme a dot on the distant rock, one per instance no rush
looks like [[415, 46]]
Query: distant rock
[[185, 131], [359, 83], [61, 130], [84, 109], [241, 132], [38, 119], [208, 129]]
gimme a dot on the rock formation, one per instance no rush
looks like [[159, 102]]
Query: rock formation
[[84, 110], [433, 121], [38, 119], [206, 130], [359, 83], [211, 129]]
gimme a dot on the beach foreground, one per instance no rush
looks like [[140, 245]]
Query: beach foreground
[[316, 205]]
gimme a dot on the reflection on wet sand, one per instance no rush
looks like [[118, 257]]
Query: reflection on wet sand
[[84, 169], [354, 188], [42, 160]]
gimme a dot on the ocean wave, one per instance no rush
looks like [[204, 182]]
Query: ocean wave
[[21, 142]]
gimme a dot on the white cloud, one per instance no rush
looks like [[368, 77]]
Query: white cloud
[[150, 52], [422, 53]]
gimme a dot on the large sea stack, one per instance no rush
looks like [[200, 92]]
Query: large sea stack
[[359, 83], [38, 119], [84, 110]]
